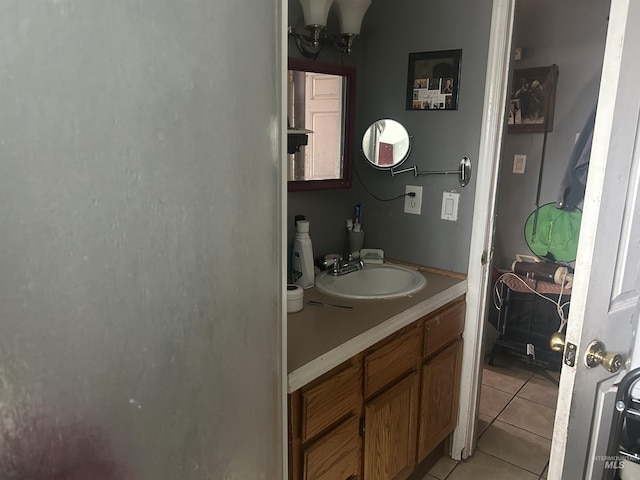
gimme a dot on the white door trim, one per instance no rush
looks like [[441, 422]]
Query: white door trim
[[482, 232], [279, 132]]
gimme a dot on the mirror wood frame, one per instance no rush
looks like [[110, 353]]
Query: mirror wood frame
[[349, 74]]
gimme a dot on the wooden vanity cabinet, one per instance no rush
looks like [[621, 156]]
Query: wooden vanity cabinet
[[325, 441], [380, 413], [390, 414], [440, 379]]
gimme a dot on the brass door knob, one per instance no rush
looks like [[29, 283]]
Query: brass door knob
[[597, 355], [557, 341]]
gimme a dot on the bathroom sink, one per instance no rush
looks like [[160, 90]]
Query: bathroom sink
[[373, 282]]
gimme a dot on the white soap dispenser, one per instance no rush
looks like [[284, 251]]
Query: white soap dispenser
[[302, 262]]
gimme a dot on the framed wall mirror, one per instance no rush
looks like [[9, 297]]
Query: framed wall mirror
[[320, 99]]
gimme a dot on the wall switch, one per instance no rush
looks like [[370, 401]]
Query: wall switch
[[450, 206], [519, 163], [413, 204]]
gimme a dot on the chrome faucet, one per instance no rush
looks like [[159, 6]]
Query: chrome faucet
[[340, 266]]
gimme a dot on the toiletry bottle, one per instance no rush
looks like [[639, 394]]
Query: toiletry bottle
[[302, 261]]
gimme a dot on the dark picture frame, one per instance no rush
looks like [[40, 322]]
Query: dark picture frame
[[532, 100], [433, 80]]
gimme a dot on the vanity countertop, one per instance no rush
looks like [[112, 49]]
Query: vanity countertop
[[320, 338]]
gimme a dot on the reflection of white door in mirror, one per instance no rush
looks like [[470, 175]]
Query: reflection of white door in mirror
[[320, 100], [323, 94], [316, 104]]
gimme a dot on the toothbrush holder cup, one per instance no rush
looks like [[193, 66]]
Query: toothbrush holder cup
[[356, 241]]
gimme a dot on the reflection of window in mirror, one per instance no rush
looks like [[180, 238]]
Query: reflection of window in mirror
[[315, 102]]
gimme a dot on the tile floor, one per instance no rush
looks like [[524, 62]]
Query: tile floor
[[517, 409]]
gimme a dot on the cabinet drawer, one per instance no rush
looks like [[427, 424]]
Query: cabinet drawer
[[443, 327], [388, 362], [335, 455], [332, 397]]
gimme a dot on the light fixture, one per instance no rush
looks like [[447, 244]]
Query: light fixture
[[316, 12]]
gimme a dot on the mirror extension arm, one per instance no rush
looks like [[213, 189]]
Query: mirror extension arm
[[464, 171]]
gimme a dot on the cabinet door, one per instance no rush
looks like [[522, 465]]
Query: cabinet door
[[439, 393], [336, 455], [390, 431]]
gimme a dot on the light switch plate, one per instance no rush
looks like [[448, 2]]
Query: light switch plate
[[517, 53], [450, 206], [519, 163]]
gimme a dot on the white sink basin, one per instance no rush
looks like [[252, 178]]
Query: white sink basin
[[373, 282]]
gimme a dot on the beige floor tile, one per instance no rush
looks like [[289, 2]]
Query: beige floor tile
[[546, 470], [486, 467], [483, 423], [492, 401], [530, 416], [508, 380], [443, 467], [540, 390], [429, 477], [516, 446], [505, 360], [554, 374]]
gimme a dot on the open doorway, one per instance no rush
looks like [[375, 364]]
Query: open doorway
[[519, 391], [605, 299]]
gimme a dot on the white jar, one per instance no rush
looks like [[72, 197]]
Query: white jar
[[295, 298]]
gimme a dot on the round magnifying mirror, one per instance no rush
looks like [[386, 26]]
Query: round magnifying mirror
[[386, 144]]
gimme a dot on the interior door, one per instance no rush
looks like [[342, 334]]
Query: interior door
[[607, 287], [323, 107]]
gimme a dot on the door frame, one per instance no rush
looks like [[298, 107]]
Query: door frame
[[483, 227], [282, 56]]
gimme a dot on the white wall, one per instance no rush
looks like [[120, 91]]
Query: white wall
[[140, 283]]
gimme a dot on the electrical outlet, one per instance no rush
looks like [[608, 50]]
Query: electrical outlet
[[413, 204]]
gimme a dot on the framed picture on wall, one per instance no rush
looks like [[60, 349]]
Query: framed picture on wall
[[433, 80], [532, 100]]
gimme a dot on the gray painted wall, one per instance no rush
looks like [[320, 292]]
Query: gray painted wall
[[139, 210], [440, 138], [325, 210], [390, 31], [570, 34]]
